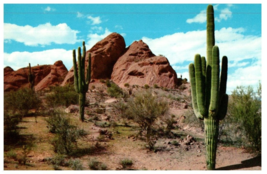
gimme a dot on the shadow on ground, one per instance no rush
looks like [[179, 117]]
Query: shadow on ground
[[256, 161]]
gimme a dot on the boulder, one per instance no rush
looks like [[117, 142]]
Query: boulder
[[14, 80], [139, 66], [104, 55], [55, 77]]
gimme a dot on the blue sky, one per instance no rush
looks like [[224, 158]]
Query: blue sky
[[45, 33]]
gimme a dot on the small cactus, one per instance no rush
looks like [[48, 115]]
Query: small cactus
[[31, 77], [80, 82], [209, 98]]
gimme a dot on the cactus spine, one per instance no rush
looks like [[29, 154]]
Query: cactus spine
[[209, 98], [31, 77], [80, 83]]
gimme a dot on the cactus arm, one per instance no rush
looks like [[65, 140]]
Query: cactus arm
[[193, 91], [203, 64], [223, 107], [88, 75], [79, 69], [214, 97], [200, 85], [210, 33], [223, 79], [76, 86]]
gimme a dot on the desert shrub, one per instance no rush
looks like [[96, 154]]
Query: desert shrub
[[66, 134], [11, 129], [62, 96], [26, 149], [115, 91], [59, 160], [156, 86], [75, 164], [144, 109], [102, 124], [102, 80], [169, 121], [127, 85], [146, 86], [120, 108], [126, 163], [244, 110], [11, 154], [108, 83], [96, 165], [21, 101]]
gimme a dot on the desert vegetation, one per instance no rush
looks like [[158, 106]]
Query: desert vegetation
[[102, 125], [150, 121]]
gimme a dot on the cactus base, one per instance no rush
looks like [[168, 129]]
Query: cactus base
[[82, 103], [211, 137]]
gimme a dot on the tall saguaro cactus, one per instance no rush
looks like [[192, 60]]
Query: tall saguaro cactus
[[209, 98], [80, 82], [31, 77]]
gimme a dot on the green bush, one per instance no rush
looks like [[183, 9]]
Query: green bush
[[126, 163], [146, 86], [156, 86], [115, 91], [21, 101], [11, 129], [245, 111], [96, 165], [127, 85], [66, 134], [145, 109], [62, 96], [75, 164]]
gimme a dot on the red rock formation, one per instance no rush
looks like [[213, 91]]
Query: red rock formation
[[104, 55], [139, 66], [55, 77], [13, 80]]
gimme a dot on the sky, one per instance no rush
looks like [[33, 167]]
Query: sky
[[44, 33]]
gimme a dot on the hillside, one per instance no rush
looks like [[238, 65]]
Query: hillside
[[111, 139]]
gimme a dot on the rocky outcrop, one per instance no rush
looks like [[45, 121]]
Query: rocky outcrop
[[104, 55], [14, 80], [55, 77], [139, 66]]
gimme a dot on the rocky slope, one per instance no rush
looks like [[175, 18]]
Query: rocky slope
[[139, 66], [135, 65]]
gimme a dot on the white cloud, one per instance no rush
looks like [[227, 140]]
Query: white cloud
[[119, 27], [49, 9], [43, 34], [180, 49], [199, 18], [245, 76], [79, 15], [95, 20], [18, 60], [97, 29], [93, 38], [224, 15], [237, 64]]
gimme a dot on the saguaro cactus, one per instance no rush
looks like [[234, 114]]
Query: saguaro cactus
[[31, 77], [209, 98], [80, 83]]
